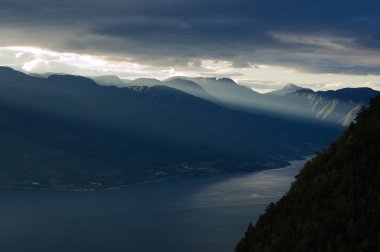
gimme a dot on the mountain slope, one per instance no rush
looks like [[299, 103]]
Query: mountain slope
[[337, 107], [183, 85], [190, 87], [85, 134], [334, 204], [229, 93], [287, 89], [110, 80], [293, 102], [350, 95]]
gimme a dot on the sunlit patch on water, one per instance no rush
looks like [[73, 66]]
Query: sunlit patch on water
[[258, 187]]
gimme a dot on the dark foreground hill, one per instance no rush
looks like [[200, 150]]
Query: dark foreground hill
[[334, 205], [68, 132]]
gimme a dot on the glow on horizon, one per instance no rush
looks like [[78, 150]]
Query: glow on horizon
[[262, 78]]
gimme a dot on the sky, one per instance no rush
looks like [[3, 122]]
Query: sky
[[264, 44]]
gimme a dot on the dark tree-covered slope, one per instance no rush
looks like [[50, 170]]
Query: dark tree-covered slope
[[334, 205]]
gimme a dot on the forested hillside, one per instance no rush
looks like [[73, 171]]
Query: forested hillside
[[334, 205]]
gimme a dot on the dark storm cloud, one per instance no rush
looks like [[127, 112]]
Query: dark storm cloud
[[178, 32]]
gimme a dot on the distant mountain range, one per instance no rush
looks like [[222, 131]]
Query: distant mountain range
[[336, 107], [67, 131]]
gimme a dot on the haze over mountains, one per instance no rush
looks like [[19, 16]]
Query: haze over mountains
[[336, 107], [67, 131]]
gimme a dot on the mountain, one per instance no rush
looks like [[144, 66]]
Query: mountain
[[334, 204], [335, 107], [230, 94], [338, 106], [183, 85], [227, 93], [222, 91], [290, 102], [190, 87], [110, 80], [288, 89], [69, 132], [350, 95], [147, 82]]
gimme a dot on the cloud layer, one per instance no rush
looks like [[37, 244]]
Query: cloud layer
[[307, 36]]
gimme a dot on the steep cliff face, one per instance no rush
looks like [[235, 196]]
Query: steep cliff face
[[334, 204], [339, 107]]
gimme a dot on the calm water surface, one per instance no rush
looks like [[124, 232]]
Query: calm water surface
[[193, 214]]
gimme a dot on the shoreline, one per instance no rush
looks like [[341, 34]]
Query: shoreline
[[306, 158]]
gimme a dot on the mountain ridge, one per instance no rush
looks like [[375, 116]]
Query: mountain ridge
[[335, 107], [287, 89], [114, 136]]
